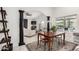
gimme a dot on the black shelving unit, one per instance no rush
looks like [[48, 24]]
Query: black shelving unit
[[4, 31], [6, 39], [3, 21]]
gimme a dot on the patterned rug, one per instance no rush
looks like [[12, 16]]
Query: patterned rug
[[56, 47]]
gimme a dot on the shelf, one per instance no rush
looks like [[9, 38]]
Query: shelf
[[4, 31], [3, 10], [5, 41], [3, 21]]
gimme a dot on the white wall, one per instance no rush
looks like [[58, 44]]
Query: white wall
[[13, 24], [63, 11], [13, 20]]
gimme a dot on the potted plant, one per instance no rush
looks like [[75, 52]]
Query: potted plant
[[54, 29]]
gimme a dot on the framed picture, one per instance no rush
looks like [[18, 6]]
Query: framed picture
[[25, 23], [33, 27], [33, 22]]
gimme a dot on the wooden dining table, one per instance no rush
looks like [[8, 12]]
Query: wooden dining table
[[49, 36]]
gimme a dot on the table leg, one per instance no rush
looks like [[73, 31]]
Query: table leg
[[49, 44], [38, 40], [64, 39]]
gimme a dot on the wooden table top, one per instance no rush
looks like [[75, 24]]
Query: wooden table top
[[51, 34]]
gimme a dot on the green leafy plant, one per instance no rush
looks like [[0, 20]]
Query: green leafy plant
[[54, 29]]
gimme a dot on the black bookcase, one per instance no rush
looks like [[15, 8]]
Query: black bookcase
[[6, 39]]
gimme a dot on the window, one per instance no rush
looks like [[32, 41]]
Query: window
[[66, 22]]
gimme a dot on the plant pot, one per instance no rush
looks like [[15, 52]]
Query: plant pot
[[66, 28]]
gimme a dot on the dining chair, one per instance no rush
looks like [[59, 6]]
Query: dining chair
[[59, 40], [44, 40]]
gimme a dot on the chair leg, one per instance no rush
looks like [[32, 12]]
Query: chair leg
[[51, 45], [40, 44], [44, 46]]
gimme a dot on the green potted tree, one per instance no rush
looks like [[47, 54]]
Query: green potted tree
[[54, 29]]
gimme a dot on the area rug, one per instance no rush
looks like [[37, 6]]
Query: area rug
[[56, 47]]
